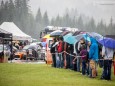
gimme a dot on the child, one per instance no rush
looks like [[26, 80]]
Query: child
[[83, 54]]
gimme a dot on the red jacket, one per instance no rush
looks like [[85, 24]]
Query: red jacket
[[59, 47]]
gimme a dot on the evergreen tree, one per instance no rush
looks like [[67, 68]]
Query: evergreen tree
[[11, 10], [58, 21], [2, 12], [92, 26], [100, 28], [52, 22], [6, 12], [80, 24], [39, 17], [45, 19], [111, 28]]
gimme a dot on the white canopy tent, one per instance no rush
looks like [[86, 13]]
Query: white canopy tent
[[16, 32]]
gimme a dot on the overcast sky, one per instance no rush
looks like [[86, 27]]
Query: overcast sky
[[99, 9]]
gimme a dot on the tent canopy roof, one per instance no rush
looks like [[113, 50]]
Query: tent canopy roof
[[16, 32]]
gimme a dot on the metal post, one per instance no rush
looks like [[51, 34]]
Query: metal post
[[11, 50], [3, 49]]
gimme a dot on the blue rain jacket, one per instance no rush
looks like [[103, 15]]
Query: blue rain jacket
[[93, 52]]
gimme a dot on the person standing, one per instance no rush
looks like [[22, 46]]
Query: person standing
[[93, 57], [52, 50], [60, 50], [107, 53], [80, 44], [83, 54]]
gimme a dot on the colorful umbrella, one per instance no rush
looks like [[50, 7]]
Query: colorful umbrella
[[107, 42], [47, 36]]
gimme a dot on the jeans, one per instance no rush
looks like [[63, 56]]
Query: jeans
[[101, 63], [78, 64], [87, 68], [61, 60], [83, 67], [57, 60], [54, 60], [67, 61], [71, 62], [107, 69]]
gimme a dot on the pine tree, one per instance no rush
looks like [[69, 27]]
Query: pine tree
[[11, 10], [45, 19], [92, 26], [39, 17], [2, 12], [80, 24]]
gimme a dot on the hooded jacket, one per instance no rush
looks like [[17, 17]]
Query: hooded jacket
[[93, 52]]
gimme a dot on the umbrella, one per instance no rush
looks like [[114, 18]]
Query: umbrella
[[95, 35], [80, 36], [107, 42], [78, 32], [66, 36], [55, 33], [65, 33], [47, 36], [69, 39]]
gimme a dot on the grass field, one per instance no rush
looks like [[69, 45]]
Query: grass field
[[12, 74]]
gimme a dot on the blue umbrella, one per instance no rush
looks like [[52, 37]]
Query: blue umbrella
[[108, 42], [66, 36], [95, 35], [80, 36], [69, 39]]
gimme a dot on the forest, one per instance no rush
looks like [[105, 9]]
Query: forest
[[18, 11]]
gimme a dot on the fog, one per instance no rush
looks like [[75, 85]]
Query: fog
[[99, 9]]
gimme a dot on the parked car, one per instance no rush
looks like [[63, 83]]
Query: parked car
[[27, 50], [35, 43]]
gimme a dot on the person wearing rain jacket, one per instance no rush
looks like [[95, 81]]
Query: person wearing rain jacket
[[93, 57]]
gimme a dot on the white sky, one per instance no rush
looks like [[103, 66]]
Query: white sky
[[88, 7]]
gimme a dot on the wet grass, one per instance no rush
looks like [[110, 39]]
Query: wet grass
[[12, 74]]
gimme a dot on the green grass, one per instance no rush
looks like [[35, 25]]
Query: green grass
[[12, 74]]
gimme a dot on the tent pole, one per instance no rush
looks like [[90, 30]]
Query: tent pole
[[3, 48], [11, 50]]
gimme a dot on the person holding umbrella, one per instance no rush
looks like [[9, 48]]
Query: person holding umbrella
[[52, 50], [107, 53]]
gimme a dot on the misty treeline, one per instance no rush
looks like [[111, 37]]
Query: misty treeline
[[18, 11]]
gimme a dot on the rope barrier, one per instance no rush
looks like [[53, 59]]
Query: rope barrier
[[78, 56]]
